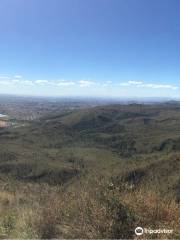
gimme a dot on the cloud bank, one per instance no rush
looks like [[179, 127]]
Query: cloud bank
[[106, 87], [141, 84]]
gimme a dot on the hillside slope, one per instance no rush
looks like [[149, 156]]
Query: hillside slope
[[126, 151]]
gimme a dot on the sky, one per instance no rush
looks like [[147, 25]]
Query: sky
[[106, 48]]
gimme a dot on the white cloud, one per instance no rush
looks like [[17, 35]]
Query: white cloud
[[41, 81], [27, 82], [16, 81], [85, 83], [125, 84], [148, 85], [107, 83], [65, 83], [131, 82], [157, 86], [135, 82], [18, 76]]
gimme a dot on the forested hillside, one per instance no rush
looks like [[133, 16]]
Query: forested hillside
[[96, 172]]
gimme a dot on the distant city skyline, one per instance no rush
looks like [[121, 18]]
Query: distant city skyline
[[99, 48]]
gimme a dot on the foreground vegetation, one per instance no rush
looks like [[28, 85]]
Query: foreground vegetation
[[92, 210], [92, 173]]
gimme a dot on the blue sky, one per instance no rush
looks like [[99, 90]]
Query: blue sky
[[116, 48]]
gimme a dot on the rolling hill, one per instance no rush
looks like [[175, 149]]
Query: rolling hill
[[112, 158]]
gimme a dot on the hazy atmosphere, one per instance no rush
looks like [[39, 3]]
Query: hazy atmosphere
[[90, 48]]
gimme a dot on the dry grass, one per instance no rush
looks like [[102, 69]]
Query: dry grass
[[92, 210], [153, 211]]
